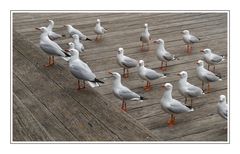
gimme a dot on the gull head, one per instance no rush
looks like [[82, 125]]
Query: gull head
[[115, 75], [50, 21], [42, 29], [71, 44], [141, 63], [222, 98], [168, 86], [120, 51], [159, 41], [183, 74], [206, 51], [68, 26], [185, 32], [98, 20], [145, 25], [200, 63], [75, 36]]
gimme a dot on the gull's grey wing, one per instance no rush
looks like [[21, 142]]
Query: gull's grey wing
[[52, 48], [194, 39], [177, 107], [152, 75], [127, 94], [211, 77], [129, 62], [168, 56], [82, 72], [53, 36], [216, 58], [194, 91]]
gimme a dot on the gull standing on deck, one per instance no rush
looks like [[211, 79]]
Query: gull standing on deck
[[172, 106], [99, 30], [211, 58], [78, 45], [206, 76], [162, 54], [189, 39], [51, 48], [52, 35], [81, 70], [148, 75], [222, 107], [122, 92], [125, 62], [71, 30], [145, 37], [187, 89]]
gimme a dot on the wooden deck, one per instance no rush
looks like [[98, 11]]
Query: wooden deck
[[47, 106]]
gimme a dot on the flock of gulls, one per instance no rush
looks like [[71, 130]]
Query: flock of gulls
[[82, 72]]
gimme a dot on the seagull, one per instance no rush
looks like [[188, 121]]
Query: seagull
[[222, 107], [78, 45], [81, 70], [211, 58], [187, 89], [172, 106], [123, 93], [148, 75], [145, 36], [71, 30], [99, 30], [52, 35], [189, 40], [206, 76], [50, 47], [125, 62], [162, 54]]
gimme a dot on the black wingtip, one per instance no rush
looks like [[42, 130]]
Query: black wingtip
[[166, 74], [67, 54], [63, 35], [98, 81], [143, 98], [88, 39], [219, 75], [190, 107]]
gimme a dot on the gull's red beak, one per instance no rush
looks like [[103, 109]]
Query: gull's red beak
[[201, 50], [37, 28]]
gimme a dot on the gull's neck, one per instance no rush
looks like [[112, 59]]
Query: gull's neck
[[44, 36], [50, 26], [146, 30], [117, 82], [161, 47], [74, 57], [183, 80], [167, 94]]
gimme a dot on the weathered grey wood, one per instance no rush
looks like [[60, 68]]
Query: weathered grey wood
[[48, 120], [124, 31], [25, 126]]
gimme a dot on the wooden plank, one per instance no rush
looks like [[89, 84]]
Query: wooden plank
[[51, 124], [25, 126]]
